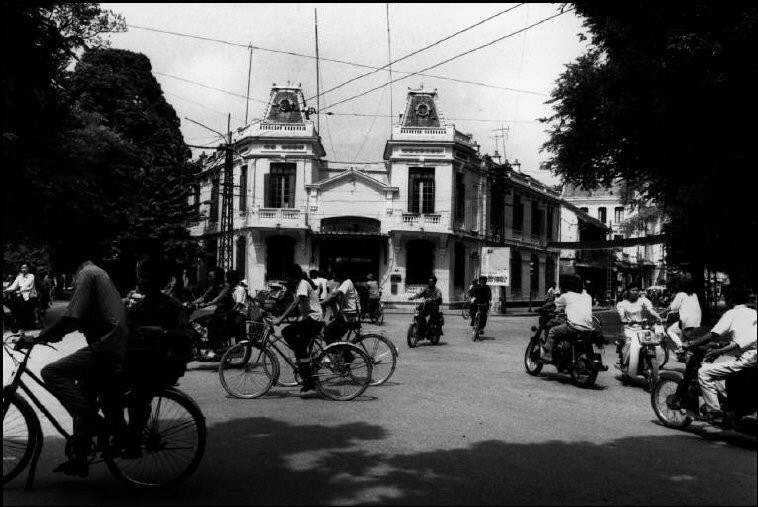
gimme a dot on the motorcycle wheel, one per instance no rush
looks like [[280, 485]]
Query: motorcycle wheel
[[412, 335], [531, 358], [583, 374], [651, 373], [660, 396]]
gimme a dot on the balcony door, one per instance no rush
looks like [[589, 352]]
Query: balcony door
[[280, 186], [421, 190]]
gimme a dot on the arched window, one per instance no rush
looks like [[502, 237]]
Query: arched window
[[419, 264], [516, 273], [280, 254]]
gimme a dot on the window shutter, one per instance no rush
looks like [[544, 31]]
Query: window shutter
[[290, 192], [267, 190]]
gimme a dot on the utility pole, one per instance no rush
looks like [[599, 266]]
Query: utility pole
[[227, 197], [318, 78], [227, 203]]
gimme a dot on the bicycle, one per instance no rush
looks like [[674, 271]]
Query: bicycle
[[172, 440], [476, 329], [342, 371], [465, 310], [379, 348]]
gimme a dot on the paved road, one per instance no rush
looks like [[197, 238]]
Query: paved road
[[459, 423]]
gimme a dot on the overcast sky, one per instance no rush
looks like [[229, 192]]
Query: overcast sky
[[530, 61]]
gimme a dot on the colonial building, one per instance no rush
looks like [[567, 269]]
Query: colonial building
[[644, 263], [595, 266], [431, 209]]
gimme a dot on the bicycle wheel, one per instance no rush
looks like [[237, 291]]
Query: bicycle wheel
[[251, 378], [342, 371], [21, 429], [172, 443], [382, 354]]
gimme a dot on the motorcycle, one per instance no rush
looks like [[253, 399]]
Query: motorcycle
[[676, 405], [653, 352], [199, 318], [579, 355], [433, 327]]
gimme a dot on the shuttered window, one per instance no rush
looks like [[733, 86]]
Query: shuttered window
[[421, 185]]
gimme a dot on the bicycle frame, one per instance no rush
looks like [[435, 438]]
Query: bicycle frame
[[267, 342], [11, 388]]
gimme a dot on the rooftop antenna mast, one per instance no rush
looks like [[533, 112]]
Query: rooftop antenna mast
[[249, 72], [503, 134], [389, 55], [318, 78]]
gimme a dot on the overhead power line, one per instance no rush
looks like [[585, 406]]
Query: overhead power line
[[209, 87], [459, 32], [354, 64], [450, 59]]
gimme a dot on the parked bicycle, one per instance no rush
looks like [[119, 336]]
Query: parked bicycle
[[342, 371], [171, 445]]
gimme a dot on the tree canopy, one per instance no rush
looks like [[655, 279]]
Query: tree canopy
[[659, 100], [96, 156]]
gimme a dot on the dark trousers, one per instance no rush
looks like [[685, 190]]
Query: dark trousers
[[338, 327], [433, 312], [483, 319], [298, 335], [77, 380], [372, 304], [690, 372]]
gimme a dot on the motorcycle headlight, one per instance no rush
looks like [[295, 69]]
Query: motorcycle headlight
[[534, 328]]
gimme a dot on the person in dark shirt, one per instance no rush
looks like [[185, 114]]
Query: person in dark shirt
[[156, 311], [219, 294], [96, 370], [481, 295], [432, 301]]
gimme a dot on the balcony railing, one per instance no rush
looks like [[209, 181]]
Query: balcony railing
[[275, 217]]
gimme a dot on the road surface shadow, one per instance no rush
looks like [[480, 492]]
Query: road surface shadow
[[565, 378], [265, 461]]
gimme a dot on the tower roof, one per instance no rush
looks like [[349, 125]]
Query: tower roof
[[285, 105], [422, 110]]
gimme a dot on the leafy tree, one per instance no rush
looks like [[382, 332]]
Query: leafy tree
[[659, 101], [130, 149]]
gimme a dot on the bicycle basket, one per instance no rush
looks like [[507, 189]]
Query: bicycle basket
[[255, 330]]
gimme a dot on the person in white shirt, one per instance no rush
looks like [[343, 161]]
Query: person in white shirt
[[346, 296], [739, 324], [321, 284], [299, 334], [578, 307], [632, 312], [24, 307], [690, 314]]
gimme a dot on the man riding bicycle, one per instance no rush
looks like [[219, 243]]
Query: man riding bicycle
[[77, 380], [432, 301], [349, 307], [481, 296], [299, 334]]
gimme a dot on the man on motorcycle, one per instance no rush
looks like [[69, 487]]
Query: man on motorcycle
[[690, 315], [432, 299], [481, 294], [631, 310], [578, 306], [219, 294], [739, 323]]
